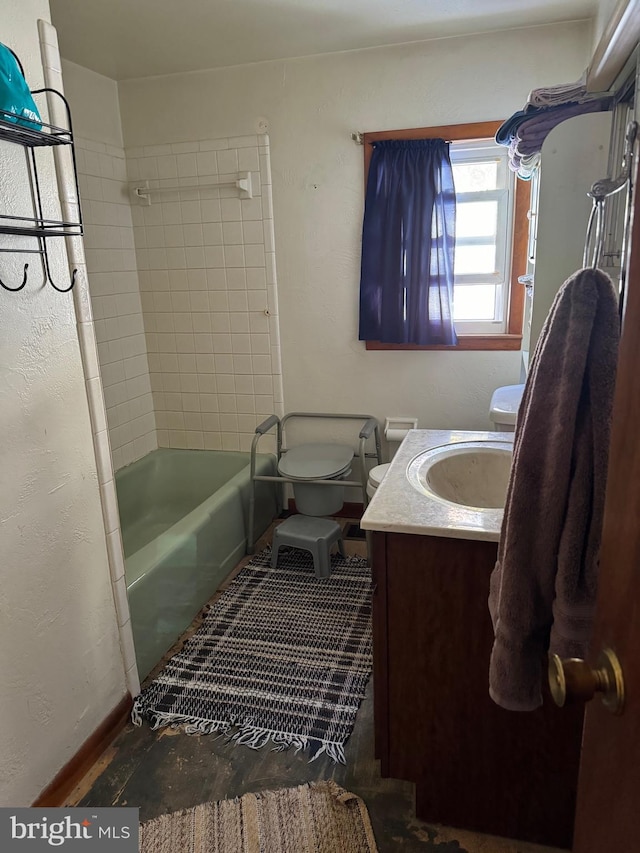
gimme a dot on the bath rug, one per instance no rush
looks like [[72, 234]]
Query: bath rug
[[321, 817], [280, 657]]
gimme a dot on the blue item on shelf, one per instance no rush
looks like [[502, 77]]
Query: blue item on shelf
[[16, 102]]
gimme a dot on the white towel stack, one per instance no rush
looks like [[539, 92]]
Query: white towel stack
[[563, 93]]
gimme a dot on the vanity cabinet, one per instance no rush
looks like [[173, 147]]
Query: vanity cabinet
[[475, 765]]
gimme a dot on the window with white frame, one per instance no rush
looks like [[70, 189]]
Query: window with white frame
[[484, 230]]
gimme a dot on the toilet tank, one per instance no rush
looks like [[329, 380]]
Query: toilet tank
[[504, 406]]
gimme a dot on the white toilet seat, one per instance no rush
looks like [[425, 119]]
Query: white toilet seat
[[316, 461]]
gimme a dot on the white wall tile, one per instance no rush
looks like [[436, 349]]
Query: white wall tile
[[120, 597], [211, 210], [227, 161], [234, 256], [257, 300], [213, 144], [232, 234], [201, 288], [248, 160], [207, 163], [184, 147], [186, 164], [115, 287], [230, 209]]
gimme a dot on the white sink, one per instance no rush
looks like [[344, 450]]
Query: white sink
[[473, 474]]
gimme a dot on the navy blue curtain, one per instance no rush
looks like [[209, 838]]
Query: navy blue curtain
[[408, 241]]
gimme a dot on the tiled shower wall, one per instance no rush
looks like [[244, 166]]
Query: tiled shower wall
[[206, 265], [115, 300]]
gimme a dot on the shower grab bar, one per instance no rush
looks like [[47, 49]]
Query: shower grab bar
[[370, 428], [142, 192]]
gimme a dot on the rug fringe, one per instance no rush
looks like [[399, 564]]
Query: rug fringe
[[334, 750], [255, 738], [192, 725], [248, 735]]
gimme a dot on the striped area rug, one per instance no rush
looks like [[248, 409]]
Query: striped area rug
[[321, 817], [281, 657]]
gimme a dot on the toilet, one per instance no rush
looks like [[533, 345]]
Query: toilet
[[317, 462], [308, 462], [376, 476], [504, 406], [395, 430]]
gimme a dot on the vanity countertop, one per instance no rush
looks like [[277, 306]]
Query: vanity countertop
[[397, 507]]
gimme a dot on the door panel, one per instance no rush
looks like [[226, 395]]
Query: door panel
[[608, 810]]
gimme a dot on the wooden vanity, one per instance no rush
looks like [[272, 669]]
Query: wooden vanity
[[475, 765]]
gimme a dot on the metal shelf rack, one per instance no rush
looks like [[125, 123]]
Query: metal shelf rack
[[32, 136]]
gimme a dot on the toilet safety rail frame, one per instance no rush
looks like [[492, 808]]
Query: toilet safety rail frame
[[369, 428]]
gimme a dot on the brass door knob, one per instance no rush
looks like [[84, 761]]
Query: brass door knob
[[573, 680]]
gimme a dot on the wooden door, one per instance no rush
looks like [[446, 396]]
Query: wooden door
[[608, 809]]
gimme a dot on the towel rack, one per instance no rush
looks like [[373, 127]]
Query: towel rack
[[602, 190], [142, 192]]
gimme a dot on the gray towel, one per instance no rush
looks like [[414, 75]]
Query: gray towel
[[532, 133], [543, 587]]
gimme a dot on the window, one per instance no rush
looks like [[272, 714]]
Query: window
[[491, 236], [484, 213]]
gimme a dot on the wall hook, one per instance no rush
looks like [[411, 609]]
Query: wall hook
[[63, 289], [20, 286], [50, 280]]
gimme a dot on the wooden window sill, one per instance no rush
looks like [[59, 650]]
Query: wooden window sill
[[465, 343]]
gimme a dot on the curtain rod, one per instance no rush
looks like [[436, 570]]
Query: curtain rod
[[358, 138], [618, 40]]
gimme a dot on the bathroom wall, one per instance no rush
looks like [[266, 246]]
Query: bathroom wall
[[208, 279], [574, 155], [111, 261], [201, 283], [310, 106], [62, 668]]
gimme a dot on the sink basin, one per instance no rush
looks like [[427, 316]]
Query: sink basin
[[471, 473]]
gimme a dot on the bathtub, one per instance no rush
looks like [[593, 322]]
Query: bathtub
[[184, 516]]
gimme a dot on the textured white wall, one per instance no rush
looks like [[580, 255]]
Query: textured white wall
[[312, 105], [61, 665]]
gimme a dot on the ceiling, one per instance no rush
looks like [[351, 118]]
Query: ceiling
[[138, 38]]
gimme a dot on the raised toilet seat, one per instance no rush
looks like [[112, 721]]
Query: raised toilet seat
[[317, 462]]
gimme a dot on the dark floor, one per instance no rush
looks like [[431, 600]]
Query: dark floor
[[166, 770]]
